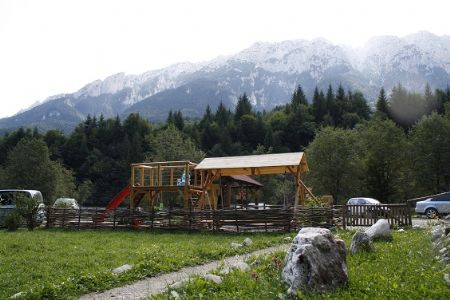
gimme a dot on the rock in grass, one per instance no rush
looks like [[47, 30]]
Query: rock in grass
[[401, 230], [241, 266], [214, 278], [175, 295], [235, 245], [224, 271], [17, 296], [316, 261], [177, 285], [122, 269], [447, 279], [361, 242], [381, 230], [417, 226], [247, 242], [437, 233]]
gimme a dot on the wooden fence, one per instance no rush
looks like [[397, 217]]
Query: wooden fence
[[367, 215], [268, 218]]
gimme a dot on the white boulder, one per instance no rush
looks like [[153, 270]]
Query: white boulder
[[214, 278], [122, 269], [381, 230]]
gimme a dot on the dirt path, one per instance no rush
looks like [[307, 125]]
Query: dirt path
[[156, 285]]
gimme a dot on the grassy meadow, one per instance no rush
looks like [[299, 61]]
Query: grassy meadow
[[58, 264], [403, 269]]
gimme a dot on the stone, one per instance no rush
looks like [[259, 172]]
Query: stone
[[235, 245], [16, 296], [437, 233], [361, 242], [381, 230], [247, 242], [241, 266], [443, 250], [401, 230], [214, 278], [122, 269], [447, 278], [177, 285], [417, 226], [316, 261], [224, 271], [175, 295]]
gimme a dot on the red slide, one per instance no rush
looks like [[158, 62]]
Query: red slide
[[113, 204]]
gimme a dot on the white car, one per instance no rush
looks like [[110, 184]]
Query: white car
[[70, 203], [363, 201], [356, 207], [434, 206]]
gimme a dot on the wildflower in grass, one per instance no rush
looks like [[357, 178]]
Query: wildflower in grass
[[254, 275]]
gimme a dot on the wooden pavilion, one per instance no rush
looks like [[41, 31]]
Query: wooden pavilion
[[196, 182], [280, 163]]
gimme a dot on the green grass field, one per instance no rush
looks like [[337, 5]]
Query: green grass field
[[403, 269], [57, 264]]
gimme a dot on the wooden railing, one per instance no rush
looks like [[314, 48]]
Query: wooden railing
[[165, 174]]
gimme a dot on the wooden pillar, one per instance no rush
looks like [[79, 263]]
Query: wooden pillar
[[228, 204], [132, 188]]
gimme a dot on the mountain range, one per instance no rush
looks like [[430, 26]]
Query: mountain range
[[267, 72]]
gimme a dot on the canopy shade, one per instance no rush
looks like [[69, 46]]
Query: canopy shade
[[246, 179], [256, 164]]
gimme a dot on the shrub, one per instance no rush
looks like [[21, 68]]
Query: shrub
[[13, 221]]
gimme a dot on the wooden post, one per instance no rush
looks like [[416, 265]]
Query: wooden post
[[64, 218], [79, 218], [114, 218], [48, 217], [344, 216], [95, 218]]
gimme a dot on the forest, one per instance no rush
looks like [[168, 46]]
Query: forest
[[397, 150]]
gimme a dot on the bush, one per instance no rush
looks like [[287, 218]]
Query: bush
[[28, 208], [13, 221]]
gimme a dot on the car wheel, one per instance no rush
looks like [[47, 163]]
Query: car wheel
[[431, 213]]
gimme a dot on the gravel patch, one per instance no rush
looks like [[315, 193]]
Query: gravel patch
[[158, 284]]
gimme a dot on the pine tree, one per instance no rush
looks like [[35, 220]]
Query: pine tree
[[298, 98], [430, 100], [331, 107], [243, 107], [178, 120], [341, 105], [319, 106], [222, 115], [382, 104]]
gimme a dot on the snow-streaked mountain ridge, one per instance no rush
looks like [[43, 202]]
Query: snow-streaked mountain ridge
[[267, 72]]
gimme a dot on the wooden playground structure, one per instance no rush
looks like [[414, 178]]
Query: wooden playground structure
[[200, 184], [205, 193]]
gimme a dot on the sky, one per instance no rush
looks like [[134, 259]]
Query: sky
[[49, 47]]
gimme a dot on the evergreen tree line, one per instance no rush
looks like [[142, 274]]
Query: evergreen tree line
[[396, 151]]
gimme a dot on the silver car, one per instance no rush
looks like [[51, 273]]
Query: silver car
[[434, 206]]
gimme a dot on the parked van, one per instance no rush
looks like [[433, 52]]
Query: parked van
[[7, 203]]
